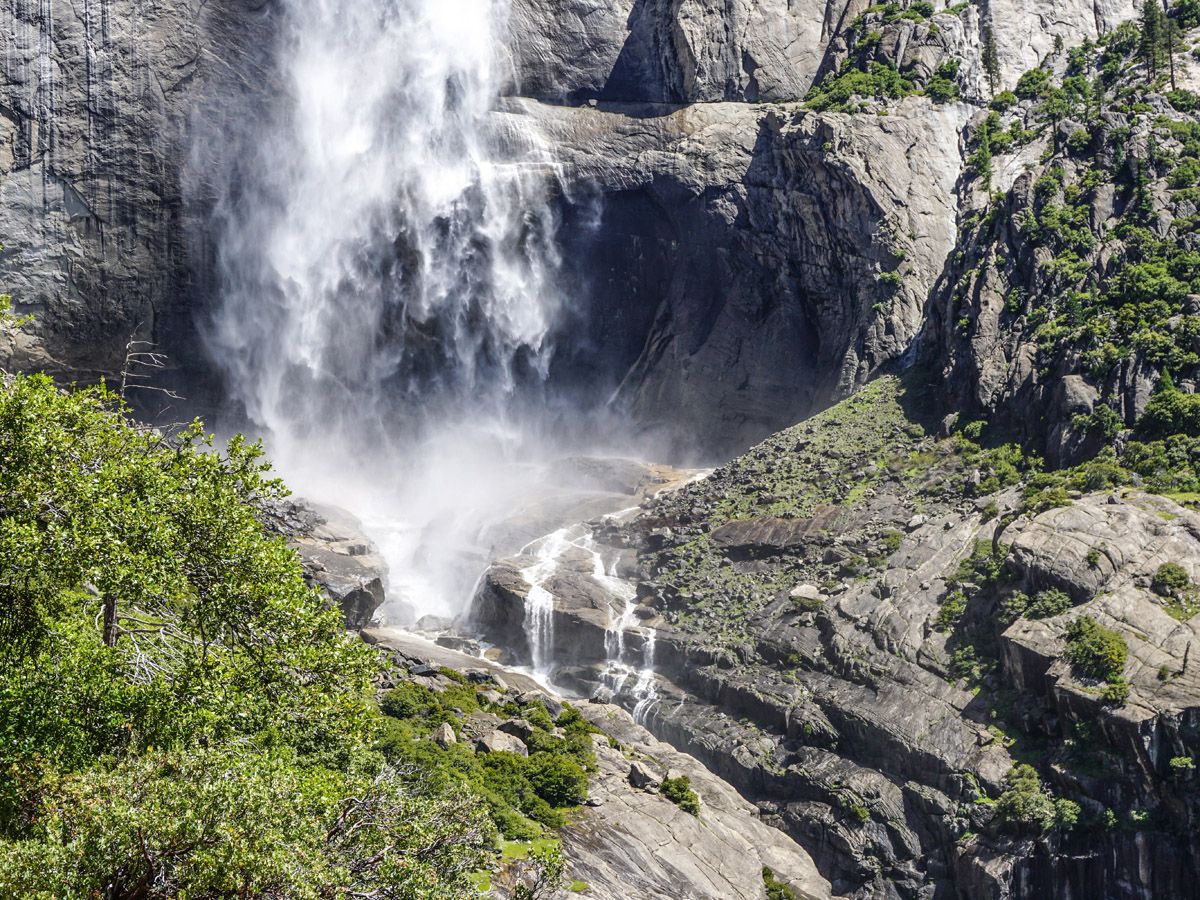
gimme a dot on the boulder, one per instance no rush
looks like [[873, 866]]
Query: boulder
[[807, 592], [337, 556], [444, 736], [642, 776], [500, 742], [518, 728]]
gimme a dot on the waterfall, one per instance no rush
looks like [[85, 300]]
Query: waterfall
[[645, 692], [617, 671], [388, 276], [539, 603]]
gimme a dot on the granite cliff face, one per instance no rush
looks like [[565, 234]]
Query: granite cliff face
[[746, 236], [752, 241], [96, 102]]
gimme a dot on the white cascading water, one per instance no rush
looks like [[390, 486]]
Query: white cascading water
[[645, 691], [617, 671], [539, 602], [389, 279]]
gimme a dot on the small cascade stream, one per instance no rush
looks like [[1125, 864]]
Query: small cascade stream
[[539, 605], [645, 690], [619, 672]]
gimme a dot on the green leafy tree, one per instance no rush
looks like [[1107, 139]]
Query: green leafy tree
[[242, 824], [1094, 650], [181, 715], [1025, 807]]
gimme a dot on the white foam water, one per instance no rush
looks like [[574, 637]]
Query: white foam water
[[389, 279]]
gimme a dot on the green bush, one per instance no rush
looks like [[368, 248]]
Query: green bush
[[1095, 651], [679, 791], [413, 701], [206, 823], [1024, 807], [776, 889], [557, 779], [535, 714], [942, 87], [954, 605], [1185, 175], [1079, 141], [1003, 100], [1115, 692], [1012, 607], [1046, 604], [879, 81], [1066, 814], [1170, 579], [1032, 84]]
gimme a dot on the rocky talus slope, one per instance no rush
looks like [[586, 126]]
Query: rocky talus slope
[[834, 633]]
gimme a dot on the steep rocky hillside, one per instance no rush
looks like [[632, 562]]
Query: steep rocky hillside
[[942, 667], [868, 626]]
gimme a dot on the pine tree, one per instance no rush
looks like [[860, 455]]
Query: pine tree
[[1170, 33], [991, 58], [1153, 37]]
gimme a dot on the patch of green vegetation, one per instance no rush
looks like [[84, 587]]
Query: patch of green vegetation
[[1096, 651], [523, 849], [1026, 807], [776, 889], [523, 795], [1173, 583], [1181, 764], [679, 791], [840, 93], [942, 87], [809, 604], [1049, 603], [953, 605], [967, 664]]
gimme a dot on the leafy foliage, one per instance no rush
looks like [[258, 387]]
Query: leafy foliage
[[180, 714], [776, 889], [225, 824], [877, 81], [1094, 650], [523, 794], [679, 791], [1025, 807]]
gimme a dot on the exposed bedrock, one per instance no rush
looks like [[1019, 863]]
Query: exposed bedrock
[[837, 716], [813, 719], [96, 106], [688, 51], [748, 264]]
